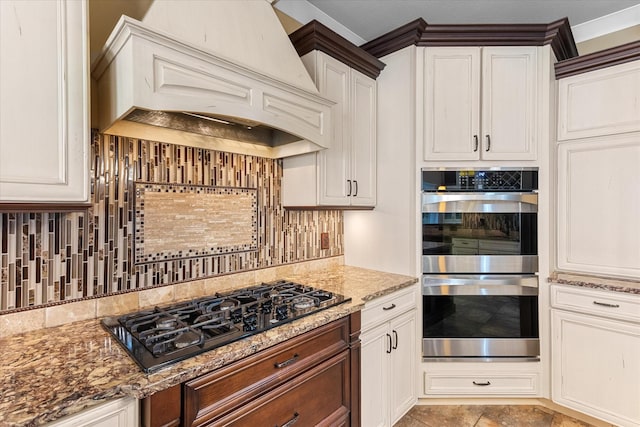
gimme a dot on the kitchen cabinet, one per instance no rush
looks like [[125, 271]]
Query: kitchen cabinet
[[311, 379], [44, 107], [598, 205], [389, 357], [599, 102], [117, 413], [480, 103], [596, 353], [345, 173]]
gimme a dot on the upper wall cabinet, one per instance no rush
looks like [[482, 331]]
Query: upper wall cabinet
[[480, 103], [344, 175], [44, 106], [600, 102]]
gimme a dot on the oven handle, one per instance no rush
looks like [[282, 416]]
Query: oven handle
[[479, 284], [479, 202]]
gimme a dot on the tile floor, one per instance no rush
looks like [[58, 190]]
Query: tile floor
[[486, 416]]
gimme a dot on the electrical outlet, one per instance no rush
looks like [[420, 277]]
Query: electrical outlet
[[324, 240]]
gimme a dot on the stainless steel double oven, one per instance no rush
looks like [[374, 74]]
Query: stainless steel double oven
[[479, 264]]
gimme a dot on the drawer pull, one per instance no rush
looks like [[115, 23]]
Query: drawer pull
[[292, 421], [287, 362], [486, 383], [391, 307], [606, 304]]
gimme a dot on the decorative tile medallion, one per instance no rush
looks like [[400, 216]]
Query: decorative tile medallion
[[187, 221]]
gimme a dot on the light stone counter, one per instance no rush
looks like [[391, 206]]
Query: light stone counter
[[50, 373], [595, 282]]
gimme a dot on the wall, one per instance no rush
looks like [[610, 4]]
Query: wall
[[53, 257], [610, 40]]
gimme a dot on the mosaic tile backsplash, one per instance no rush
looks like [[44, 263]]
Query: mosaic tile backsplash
[[57, 257]]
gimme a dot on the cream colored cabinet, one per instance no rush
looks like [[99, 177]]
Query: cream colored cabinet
[[389, 358], [345, 173], [480, 103], [117, 413], [44, 101], [596, 353], [599, 205], [600, 102]]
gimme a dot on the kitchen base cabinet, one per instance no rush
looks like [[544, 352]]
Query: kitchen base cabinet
[[389, 358], [596, 359], [308, 379], [117, 413]]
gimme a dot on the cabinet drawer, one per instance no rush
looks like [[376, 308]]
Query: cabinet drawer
[[613, 305], [319, 397], [469, 384], [464, 243], [385, 308], [500, 246], [225, 389]]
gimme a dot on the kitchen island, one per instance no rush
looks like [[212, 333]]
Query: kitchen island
[[50, 373]]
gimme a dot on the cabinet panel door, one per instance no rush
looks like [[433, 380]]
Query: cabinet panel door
[[374, 376], [363, 139], [596, 366], [404, 359], [509, 87], [44, 119], [451, 103], [600, 102], [599, 205], [333, 164]]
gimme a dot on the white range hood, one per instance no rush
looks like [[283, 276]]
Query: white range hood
[[216, 74]]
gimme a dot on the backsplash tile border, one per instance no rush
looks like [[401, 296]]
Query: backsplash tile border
[[51, 258]]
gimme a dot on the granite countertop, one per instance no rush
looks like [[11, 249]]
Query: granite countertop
[[628, 286], [50, 373]]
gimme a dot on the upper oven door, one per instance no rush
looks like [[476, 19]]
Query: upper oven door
[[479, 232]]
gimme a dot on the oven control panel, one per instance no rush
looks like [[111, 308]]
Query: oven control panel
[[473, 180]]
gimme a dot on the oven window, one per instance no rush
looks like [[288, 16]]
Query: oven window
[[479, 234], [480, 316]]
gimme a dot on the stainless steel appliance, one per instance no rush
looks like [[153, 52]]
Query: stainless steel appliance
[[164, 335], [479, 264]]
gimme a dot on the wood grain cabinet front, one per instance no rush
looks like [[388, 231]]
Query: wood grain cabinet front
[[307, 380]]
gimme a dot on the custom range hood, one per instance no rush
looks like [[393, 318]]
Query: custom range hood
[[220, 74]]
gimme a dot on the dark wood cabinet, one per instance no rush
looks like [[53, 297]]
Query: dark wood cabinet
[[312, 379]]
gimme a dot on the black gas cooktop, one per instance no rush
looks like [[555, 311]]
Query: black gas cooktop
[[164, 335]]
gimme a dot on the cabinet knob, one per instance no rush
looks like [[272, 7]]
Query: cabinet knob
[[475, 141], [488, 143], [292, 421], [606, 304], [287, 362]]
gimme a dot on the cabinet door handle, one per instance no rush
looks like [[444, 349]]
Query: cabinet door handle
[[606, 304], [475, 143], [355, 194], [391, 307], [287, 362], [483, 384], [292, 421], [389, 341], [349, 182], [488, 143], [395, 340]]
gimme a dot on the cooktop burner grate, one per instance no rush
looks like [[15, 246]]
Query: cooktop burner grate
[[164, 335]]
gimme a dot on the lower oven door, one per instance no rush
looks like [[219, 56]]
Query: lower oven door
[[482, 317]]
